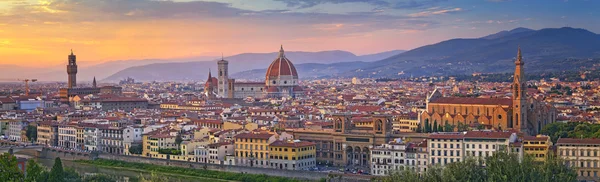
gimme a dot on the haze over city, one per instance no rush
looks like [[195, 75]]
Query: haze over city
[[40, 33]]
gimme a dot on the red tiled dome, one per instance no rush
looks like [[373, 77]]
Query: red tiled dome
[[272, 89], [281, 66]]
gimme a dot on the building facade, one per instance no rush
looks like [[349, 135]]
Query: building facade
[[519, 112], [292, 155], [281, 80], [581, 154]]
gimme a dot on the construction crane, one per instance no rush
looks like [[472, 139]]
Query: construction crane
[[27, 85], [26, 81]]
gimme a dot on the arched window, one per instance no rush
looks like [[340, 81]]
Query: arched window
[[517, 119]]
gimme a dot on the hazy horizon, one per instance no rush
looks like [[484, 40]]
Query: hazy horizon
[[41, 33]]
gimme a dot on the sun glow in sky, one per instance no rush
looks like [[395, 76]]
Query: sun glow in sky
[[41, 32]]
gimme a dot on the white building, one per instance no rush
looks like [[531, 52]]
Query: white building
[[218, 152], [91, 137], [482, 144], [388, 157], [445, 148], [112, 139], [132, 135], [15, 127], [67, 136]]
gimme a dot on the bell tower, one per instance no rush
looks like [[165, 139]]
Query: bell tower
[[519, 97], [72, 70], [223, 78]]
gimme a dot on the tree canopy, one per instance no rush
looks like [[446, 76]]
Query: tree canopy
[[500, 167]]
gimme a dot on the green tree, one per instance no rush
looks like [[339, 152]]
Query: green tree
[[99, 178], [448, 127], [31, 133], [462, 127], [435, 126], [153, 178], [57, 172], [434, 173], [35, 172], [70, 175], [136, 149], [554, 169], [178, 139], [401, 175], [9, 171], [468, 170], [427, 126]]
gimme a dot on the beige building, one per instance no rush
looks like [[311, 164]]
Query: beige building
[[582, 154], [47, 132], [520, 112], [406, 123], [445, 148]]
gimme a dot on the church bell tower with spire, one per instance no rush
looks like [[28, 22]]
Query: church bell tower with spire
[[519, 98], [72, 70], [223, 78]]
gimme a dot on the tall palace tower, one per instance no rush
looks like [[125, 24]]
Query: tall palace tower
[[519, 98], [223, 78], [72, 70]]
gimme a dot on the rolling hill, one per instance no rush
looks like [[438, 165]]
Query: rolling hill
[[240, 63], [543, 50]]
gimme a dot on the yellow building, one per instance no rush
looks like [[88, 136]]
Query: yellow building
[[154, 141], [405, 123], [292, 155], [537, 146], [252, 149], [80, 138]]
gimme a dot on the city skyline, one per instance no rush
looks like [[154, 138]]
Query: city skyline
[[40, 33]]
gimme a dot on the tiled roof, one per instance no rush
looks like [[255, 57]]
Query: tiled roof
[[446, 136], [487, 134], [474, 101], [578, 141], [291, 144], [254, 135]]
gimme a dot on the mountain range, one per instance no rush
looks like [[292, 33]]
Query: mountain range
[[198, 70], [544, 50]]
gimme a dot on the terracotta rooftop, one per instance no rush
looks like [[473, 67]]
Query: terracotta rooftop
[[254, 135], [446, 136], [487, 134], [594, 141], [473, 101], [291, 144]]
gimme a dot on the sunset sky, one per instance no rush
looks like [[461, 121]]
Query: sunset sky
[[41, 32]]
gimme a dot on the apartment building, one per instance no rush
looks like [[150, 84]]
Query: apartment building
[[388, 157], [445, 148], [537, 147], [582, 154], [292, 155], [482, 144], [67, 136], [47, 133]]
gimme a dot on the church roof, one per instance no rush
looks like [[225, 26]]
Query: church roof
[[473, 101], [281, 66]]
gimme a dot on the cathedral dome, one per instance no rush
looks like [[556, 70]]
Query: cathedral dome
[[281, 66]]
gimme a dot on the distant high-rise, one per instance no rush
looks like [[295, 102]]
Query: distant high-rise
[[223, 78], [72, 70]]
